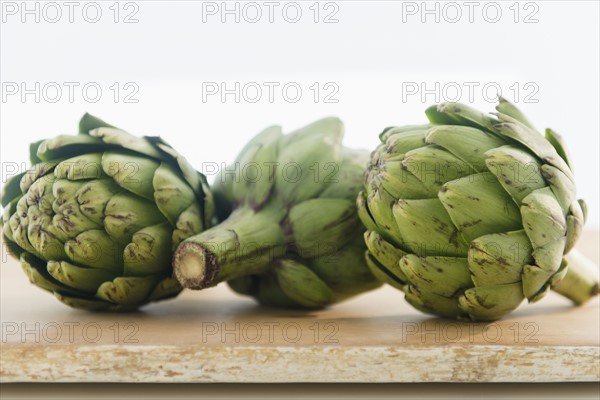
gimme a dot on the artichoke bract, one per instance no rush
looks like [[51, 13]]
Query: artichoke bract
[[473, 213], [289, 233], [97, 217]]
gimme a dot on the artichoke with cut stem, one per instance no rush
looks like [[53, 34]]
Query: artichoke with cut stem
[[97, 217], [472, 213], [289, 234]]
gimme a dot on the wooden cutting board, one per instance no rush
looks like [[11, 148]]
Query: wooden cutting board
[[217, 336]]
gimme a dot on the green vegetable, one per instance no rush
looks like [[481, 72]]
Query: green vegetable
[[97, 217], [290, 235], [473, 213]]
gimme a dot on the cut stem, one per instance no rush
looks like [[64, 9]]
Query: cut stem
[[580, 284], [245, 243]]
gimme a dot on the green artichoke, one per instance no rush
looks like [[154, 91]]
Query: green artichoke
[[290, 235], [473, 213], [97, 217]]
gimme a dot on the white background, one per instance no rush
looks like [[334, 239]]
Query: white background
[[371, 54]]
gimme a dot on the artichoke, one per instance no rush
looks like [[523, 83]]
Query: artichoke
[[289, 233], [473, 213], [97, 217]]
